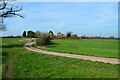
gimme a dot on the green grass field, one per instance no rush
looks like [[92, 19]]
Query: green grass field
[[27, 64], [104, 48]]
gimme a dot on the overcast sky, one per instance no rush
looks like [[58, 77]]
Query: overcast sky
[[82, 18]]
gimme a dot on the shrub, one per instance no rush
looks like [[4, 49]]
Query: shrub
[[51, 34], [31, 34], [43, 39], [68, 34], [74, 36]]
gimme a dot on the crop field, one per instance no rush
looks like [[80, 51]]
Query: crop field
[[21, 63], [98, 48]]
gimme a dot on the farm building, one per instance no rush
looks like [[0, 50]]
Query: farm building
[[59, 35]]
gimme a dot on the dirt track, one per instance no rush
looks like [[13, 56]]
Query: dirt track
[[92, 58]]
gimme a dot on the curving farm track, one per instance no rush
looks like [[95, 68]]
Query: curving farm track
[[92, 58]]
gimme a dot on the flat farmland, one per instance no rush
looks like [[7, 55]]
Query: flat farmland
[[98, 48], [21, 63]]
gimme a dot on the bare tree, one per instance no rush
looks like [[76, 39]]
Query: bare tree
[[7, 11]]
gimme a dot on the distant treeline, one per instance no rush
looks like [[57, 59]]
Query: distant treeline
[[100, 38], [55, 37], [11, 37], [69, 35]]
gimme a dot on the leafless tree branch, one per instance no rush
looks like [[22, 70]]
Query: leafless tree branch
[[3, 5], [6, 11]]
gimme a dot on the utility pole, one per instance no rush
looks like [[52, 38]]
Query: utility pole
[[100, 41]]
